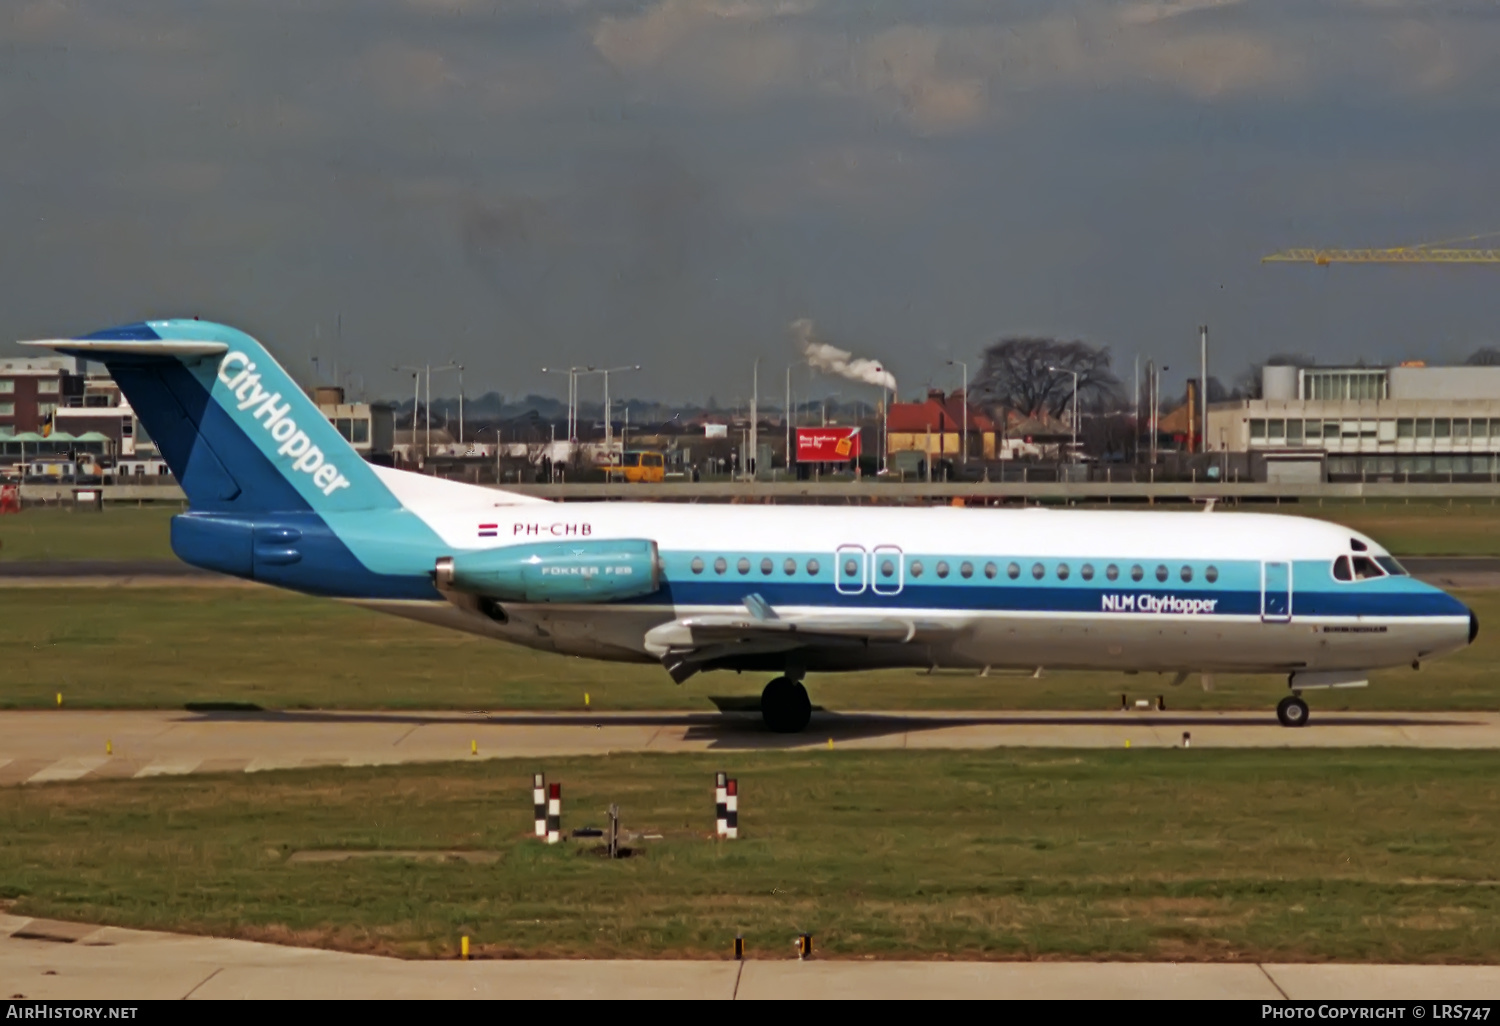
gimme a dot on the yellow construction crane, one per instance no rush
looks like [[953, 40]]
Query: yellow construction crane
[[1422, 253]]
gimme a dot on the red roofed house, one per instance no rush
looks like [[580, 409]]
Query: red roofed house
[[935, 427]]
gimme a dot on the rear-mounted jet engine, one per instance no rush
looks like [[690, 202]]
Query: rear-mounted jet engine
[[575, 571]]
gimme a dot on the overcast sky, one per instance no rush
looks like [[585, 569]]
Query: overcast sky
[[512, 183]]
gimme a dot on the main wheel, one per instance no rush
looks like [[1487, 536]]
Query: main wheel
[[785, 707], [1292, 712]]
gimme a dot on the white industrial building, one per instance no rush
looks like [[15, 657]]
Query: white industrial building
[[1370, 423]]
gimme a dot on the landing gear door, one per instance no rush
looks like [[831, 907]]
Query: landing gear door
[[1275, 592], [850, 569]]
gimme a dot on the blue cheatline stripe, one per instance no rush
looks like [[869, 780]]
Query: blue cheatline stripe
[[1024, 598]]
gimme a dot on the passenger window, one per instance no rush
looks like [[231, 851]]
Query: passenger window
[[966, 570], [720, 566], [1086, 571], [697, 565], [990, 570], [1365, 569], [942, 569], [887, 569], [1187, 574], [743, 566], [812, 568], [1013, 571], [766, 566], [1038, 571], [851, 568], [1341, 569], [1136, 573], [1062, 571], [916, 568], [1211, 574], [1112, 572], [790, 566], [1161, 573]]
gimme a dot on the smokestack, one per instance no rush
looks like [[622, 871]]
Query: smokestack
[[831, 360]]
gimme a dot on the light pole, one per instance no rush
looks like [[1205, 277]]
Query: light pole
[[1074, 417], [1203, 387], [452, 366], [750, 467], [609, 433], [789, 425], [416, 386], [965, 367], [572, 373]]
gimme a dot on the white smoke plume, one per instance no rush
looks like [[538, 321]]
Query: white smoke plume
[[832, 360]]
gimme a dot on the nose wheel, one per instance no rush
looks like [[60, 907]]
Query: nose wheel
[[785, 707], [1292, 712]]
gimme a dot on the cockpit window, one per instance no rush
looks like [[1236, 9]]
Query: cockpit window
[[1365, 569], [1390, 566], [1358, 546], [1341, 570]]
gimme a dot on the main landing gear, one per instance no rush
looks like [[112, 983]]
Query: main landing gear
[[1292, 711], [785, 707]]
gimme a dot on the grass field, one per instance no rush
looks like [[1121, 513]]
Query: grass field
[[1420, 528], [1366, 855], [120, 532], [167, 647]]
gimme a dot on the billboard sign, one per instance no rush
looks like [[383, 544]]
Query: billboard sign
[[827, 444], [715, 430]]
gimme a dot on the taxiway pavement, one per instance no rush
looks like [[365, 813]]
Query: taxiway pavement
[[41, 746], [44, 960]]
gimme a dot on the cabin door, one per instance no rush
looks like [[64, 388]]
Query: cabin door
[[1275, 592], [886, 570], [851, 566]]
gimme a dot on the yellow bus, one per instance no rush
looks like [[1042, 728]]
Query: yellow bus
[[638, 466]]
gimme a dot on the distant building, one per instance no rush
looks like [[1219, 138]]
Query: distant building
[[369, 427], [1370, 422], [934, 427], [32, 388]]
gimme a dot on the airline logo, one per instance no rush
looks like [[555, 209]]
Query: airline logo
[[1147, 603], [489, 530], [238, 374]]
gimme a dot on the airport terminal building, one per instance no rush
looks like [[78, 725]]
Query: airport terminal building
[[1410, 422]]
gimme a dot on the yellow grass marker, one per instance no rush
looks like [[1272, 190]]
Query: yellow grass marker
[[830, 744], [473, 747], [109, 748], [1127, 742], [465, 946], [59, 699], [585, 699]]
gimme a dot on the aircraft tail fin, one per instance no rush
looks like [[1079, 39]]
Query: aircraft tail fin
[[237, 432]]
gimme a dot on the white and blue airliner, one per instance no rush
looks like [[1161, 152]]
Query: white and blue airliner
[[276, 495]]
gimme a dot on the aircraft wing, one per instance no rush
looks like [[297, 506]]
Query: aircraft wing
[[687, 645]]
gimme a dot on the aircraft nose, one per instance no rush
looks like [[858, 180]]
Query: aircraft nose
[[1473, 626]]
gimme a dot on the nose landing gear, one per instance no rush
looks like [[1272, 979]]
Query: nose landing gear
[[1292, 711], [785, 707]]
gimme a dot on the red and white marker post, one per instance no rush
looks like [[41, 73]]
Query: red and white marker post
[[554, 813], [539, 802]]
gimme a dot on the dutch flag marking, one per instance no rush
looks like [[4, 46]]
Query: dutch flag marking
[[489, 530]]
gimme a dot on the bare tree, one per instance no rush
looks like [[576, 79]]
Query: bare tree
[[1018, 374], [1486, 356]]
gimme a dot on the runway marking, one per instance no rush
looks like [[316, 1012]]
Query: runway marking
[[67, 769], [168, 769]]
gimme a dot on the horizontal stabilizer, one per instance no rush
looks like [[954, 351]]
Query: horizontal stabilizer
[[99, 348]]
